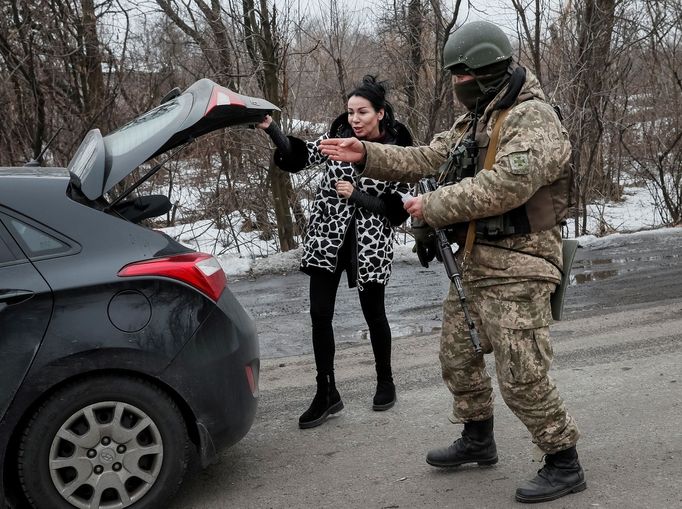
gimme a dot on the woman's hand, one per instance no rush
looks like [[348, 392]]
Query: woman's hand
[[414, 207], [344, 188], [350, 150], [265, 123]]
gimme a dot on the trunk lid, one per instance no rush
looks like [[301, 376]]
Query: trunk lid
[[101, 162]]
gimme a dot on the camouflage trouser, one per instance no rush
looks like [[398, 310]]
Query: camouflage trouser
[[512, 320]]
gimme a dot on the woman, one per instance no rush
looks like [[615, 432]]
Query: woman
[[350, 229]]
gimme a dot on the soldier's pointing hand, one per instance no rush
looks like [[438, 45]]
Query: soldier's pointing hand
[[350, 150]]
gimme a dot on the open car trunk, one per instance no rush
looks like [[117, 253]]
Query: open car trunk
[[101, 162]]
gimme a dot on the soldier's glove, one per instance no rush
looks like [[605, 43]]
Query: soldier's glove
[[425, 242]]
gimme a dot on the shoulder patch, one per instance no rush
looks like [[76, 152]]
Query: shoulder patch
[[519, 163]]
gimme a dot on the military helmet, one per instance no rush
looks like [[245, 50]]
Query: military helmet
[[476, 44]]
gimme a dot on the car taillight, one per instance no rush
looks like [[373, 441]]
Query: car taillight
[[221, 96], [199, 270]]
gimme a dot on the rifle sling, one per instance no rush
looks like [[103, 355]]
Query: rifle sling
[[487, 165]]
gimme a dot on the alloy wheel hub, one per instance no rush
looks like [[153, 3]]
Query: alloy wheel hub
[[106, 455]]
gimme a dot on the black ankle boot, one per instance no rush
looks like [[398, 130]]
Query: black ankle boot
[[560, 475], [384, 398], [327, 401], [477, 445]]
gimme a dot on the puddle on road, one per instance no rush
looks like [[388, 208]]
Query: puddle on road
[[597, 275], [586, 277], [400, 330]]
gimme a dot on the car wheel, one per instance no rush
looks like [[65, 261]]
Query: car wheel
[[108, 442]]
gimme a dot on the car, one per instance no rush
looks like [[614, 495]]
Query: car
[[121, 351]]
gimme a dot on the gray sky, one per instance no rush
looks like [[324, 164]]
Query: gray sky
[[500, 12]]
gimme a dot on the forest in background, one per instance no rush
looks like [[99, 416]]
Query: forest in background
[[614, 67]]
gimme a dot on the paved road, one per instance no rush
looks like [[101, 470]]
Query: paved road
[[618, 363]]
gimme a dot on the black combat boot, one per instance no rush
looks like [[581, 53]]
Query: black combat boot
[[560, 475], [477, 445], [327, 401]]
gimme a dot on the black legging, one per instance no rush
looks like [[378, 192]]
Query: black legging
[[323, 287]]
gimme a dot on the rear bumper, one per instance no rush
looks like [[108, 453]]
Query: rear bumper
[[210, 373]]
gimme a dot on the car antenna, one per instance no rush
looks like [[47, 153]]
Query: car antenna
[[36, 161], [147, 175]]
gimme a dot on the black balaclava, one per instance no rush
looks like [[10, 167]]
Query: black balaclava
[[476, 94]]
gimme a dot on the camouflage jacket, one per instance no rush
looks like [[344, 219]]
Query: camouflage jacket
[[531, 134]]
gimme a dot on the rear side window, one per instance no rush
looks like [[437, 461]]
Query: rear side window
[[34, 241], [9, 251], [5, 254]]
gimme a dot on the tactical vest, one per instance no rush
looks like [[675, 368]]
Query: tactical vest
[[547, 208]]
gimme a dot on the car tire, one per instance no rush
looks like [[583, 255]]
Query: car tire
[[117, 438]]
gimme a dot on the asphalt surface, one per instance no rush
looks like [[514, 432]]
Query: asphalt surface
[[618, 365]]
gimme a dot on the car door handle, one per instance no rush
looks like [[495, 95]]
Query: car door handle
[[9, 297]]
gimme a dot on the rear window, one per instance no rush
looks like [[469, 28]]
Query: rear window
[[34, 241], [138, 131]]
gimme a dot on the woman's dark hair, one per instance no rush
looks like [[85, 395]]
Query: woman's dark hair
[[375, 92]]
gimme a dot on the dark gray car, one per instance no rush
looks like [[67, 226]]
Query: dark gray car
[[120, 349]]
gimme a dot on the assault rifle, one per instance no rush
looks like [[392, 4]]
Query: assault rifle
[[463, 159], [427, 185]]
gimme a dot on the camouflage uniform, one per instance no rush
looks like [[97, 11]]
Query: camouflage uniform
[[508, 290]]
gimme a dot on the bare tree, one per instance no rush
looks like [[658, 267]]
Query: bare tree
[[251, 30], [345, 51], [267, 48], [529, 16], [653, 132], [193, 17], [581, 39], [53, 61], [413, 34]]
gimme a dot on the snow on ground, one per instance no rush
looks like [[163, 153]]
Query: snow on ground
[[636, 212], [242, 253]]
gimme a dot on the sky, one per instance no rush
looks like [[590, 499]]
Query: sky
[[497, 11]]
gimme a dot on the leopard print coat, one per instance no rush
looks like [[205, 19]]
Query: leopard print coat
[[332, 216]]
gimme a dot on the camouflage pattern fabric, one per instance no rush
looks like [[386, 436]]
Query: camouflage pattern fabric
[[512, 320], [508, 281]]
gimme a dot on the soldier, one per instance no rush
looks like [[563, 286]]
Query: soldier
[[512, 261]]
